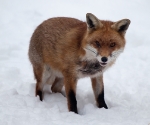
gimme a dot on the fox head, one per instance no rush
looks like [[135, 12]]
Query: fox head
[[104, 40]]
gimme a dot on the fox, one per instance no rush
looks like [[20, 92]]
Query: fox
[[63, 49]]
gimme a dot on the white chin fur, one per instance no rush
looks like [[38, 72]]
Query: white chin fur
[[103, 64]]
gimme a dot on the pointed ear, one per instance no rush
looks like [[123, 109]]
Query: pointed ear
[[121, 26], [92, 21]]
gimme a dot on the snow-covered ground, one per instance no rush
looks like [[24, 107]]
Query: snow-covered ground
[[127, 83]]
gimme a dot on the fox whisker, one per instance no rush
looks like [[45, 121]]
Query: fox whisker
[[115, 54], [91, 50]]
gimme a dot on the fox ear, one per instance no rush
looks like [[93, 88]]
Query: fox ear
[[121, 26], [92, 21]]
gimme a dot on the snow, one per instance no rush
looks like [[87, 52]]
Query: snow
[[127, 83]]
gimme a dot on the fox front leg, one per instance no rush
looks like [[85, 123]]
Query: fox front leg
[[70, 88], [98, 88]]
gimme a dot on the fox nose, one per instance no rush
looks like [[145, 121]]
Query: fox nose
[[104, 59]]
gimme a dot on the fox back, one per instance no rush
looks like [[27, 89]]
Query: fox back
[[62, 50]]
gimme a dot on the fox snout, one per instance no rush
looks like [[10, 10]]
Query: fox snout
[[104, 61], [104, 56]]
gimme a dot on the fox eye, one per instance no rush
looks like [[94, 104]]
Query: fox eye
[[112, 44], [97, 44]]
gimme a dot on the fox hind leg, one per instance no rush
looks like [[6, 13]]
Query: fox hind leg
[[41, 75], [39, 87], [57, 85]]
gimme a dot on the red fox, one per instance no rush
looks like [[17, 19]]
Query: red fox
[[63, 50]]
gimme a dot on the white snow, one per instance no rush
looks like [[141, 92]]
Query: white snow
[[127, 83]]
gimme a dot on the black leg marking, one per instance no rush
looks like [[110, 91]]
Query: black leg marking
[[101, 101], [40, 94], [72, 101]]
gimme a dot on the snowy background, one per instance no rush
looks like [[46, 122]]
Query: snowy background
[[127, 83]]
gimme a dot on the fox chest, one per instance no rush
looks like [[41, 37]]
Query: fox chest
[[89, 69], [83, 69]]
